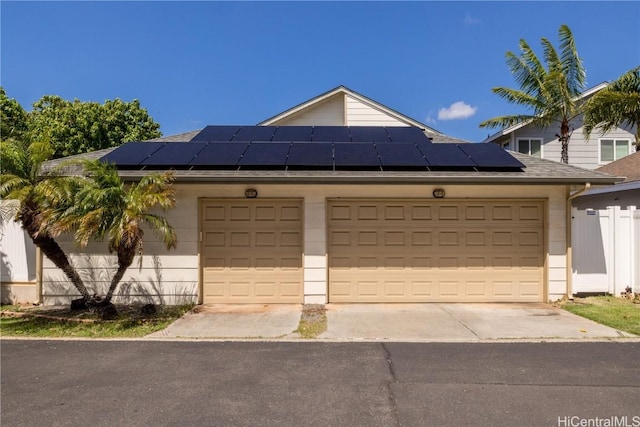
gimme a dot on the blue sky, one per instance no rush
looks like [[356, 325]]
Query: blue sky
[[197, 63]]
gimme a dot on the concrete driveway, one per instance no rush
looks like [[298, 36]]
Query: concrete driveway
[[391, 322]]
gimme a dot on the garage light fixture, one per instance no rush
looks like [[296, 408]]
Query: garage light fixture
[[250, 193], [438, 193]]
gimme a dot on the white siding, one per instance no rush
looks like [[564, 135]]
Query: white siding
[[360, 114], [583, 153], [173, 276]]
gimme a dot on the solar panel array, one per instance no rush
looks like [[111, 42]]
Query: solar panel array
[[311, 147]]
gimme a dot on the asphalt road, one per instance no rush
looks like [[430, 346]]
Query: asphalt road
[[136, 383]]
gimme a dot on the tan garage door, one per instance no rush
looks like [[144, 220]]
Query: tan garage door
[[421, 251], [251, 251]]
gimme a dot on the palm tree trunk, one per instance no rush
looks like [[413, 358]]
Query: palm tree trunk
[[125, 259], [564, 140], [29, 217]]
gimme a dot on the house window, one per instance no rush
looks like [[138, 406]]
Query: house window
[[614, 149], [530, 146]]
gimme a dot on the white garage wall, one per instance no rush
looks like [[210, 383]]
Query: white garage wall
[[172, 277]]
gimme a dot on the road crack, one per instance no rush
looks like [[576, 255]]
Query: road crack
[[394, 380]]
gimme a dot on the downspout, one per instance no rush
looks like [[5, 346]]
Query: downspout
[[587, 185]]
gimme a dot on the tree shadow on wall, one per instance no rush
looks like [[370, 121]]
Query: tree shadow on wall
[[97, 273], [155, 291]]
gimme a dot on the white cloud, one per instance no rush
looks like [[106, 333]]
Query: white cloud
[[457, 110], [430, 120], [470, 20]]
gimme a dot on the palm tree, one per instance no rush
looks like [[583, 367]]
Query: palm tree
[[103, 206], [617, 104], [21, 180], [549, 90]]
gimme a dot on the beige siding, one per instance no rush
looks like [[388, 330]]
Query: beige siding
[[329, 112], [361, 114], [178, 277]]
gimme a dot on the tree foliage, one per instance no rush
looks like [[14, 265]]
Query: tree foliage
[[13, 118], [96, 204], [616, 105], [549, 89], [75, 127]]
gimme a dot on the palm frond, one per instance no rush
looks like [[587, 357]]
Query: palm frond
[[161, 227], [506, 121], [572, 66]]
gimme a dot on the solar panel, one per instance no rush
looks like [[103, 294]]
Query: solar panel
[[293, 133], [445, 156], [331, 134], [406, 134], [132, 153], [265, 154], [216, 133], [400, 156], [356, 154], [490, 156], [220, 154], [175, 154], [311, 154], [255, 133], [368, 134]]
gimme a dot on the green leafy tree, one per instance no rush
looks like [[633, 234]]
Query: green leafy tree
[[616, 105], [548, 90], [74, 127], [104, 207], [13, 118], [21, 180]]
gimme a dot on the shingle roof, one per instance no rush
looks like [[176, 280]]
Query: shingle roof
[[181, 137], [628, 166], [536, 171]]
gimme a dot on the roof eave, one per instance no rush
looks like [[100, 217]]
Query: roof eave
[[289, 178]]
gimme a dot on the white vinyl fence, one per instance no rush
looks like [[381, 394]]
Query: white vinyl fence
[[606, 249], [17, 259]]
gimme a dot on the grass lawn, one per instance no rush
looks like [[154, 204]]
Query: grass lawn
[[18, 321], [618, 313], [313, 321]]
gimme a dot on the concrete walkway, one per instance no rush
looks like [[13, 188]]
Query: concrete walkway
[[391, 322]]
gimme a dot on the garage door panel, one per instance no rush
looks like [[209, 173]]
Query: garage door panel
[[251, 251], [438, 251]]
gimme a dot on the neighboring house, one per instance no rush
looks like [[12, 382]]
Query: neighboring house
[[606, 233], [590, 153], [311, 207]]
